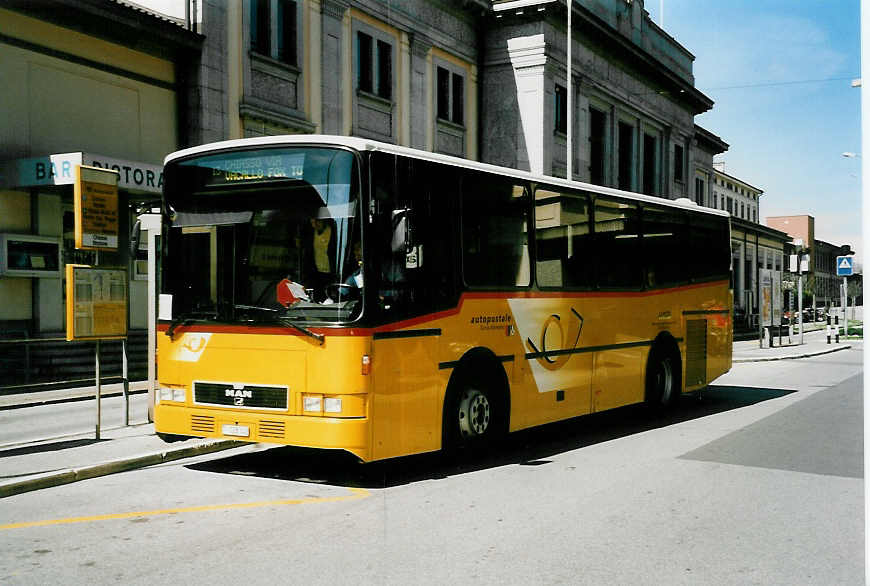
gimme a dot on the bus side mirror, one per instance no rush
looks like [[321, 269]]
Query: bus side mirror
[[403, 239], [135, 234]]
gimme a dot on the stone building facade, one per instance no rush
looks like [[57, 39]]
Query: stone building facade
[[100, 83], [737, 197], [109, 82], [472, 78]]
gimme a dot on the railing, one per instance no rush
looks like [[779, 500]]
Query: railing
[[37, 364]]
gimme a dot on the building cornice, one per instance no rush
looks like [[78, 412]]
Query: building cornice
[[761, 229], [736, 180], [115, 22], [707, 139]]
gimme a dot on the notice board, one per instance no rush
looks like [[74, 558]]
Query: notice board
[[96, 208], [96, 303]]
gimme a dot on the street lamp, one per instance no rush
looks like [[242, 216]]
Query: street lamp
[[798, 263]]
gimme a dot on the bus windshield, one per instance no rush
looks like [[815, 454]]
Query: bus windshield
[[264, 236]]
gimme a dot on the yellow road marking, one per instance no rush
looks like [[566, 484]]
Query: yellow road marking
[[356, 493]]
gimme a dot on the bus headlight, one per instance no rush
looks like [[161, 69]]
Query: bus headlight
[[331, 405], [170, 394], [312, 403], [165, 394]]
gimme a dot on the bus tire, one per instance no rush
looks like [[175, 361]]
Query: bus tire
[[171, 437], [663, 375], [475, 411]]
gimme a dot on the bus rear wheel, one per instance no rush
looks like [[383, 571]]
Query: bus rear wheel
[[662, 378]]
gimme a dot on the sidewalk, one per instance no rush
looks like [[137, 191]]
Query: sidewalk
[[36, 465], [815, 344]]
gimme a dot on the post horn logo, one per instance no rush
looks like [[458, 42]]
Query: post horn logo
[[567, 335]]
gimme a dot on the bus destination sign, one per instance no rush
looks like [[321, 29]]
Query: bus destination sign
[[242, 169]]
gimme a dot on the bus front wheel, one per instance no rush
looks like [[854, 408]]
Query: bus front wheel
[[472, 419], [474, 414]]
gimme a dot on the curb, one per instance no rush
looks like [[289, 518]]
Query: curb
[[59, 478], [793, 356]]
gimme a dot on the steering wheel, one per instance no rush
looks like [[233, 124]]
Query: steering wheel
[[342, 291]]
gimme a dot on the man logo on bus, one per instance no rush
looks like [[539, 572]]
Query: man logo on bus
[[553, 331]]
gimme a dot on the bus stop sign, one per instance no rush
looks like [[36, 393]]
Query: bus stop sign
[[844, 266]]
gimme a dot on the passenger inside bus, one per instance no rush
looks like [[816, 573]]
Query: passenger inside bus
[[320, 257], [354, 276]]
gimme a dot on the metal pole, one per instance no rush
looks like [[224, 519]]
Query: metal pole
[[760, 312], [800, 303], [126, 381], [771, 311], [568, 102], [845, 303], [152, 315], [97, 369], [779, 325]]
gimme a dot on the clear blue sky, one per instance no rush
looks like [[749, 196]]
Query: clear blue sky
[[786, 131]]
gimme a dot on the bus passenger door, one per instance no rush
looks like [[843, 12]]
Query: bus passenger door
[[406, 414], [415, 279]]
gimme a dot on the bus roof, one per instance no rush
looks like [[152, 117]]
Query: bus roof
[[364, 144]]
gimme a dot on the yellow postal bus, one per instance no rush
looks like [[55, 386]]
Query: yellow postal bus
[[341, 293]]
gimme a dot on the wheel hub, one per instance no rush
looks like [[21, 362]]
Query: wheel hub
[[474, 413]]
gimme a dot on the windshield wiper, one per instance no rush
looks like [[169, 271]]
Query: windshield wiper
[[285, 321], [186, 319]]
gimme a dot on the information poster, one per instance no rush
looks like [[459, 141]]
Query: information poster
[[96, 208], [96, 303], [770, 297]]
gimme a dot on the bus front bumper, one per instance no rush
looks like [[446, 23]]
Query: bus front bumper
[[349, 434]]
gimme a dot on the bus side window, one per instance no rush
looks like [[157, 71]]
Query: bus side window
[[390, 255], [564, 254], [617, 235], [432, 189], [665, 246], [495, 250]]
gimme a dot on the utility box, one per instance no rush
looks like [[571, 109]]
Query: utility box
[[27, 255]]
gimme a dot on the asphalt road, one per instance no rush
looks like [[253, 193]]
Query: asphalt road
[[69, 418], [758, 482]]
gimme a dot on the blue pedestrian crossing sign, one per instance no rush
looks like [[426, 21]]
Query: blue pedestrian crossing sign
[[844, 266]]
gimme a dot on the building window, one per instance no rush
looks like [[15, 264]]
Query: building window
[[365, 69], [715, 202], [260, 33], [287, 31], [384, 72], [451, 96], [560, 110], [700, 187], [678, 163], [625, 162], [374, 66], [754, 215], [741, 210], [276, 40], [597, 141], [458, 105], [730, 205]]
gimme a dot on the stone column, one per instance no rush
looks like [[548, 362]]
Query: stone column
[[420, 99], [528, 58]]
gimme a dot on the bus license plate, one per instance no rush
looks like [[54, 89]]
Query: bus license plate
[[235, 430]]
